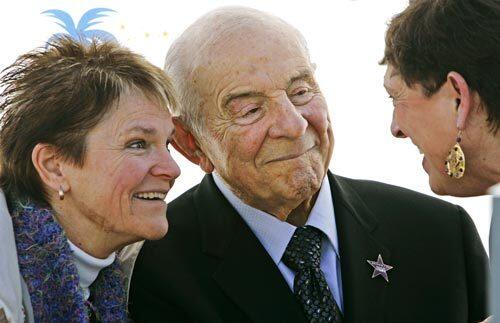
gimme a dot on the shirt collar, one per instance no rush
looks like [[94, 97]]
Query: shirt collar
[[275, 234], [88, 267]]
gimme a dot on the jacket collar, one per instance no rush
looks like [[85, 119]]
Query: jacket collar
[[246, 271], [364, 296]]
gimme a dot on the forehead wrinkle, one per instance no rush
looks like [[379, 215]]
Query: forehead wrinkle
[[139, 128]]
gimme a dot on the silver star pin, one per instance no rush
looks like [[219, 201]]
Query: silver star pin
[[380, 268]]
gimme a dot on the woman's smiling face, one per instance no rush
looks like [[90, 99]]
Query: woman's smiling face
[[430, 123], [127, 171]]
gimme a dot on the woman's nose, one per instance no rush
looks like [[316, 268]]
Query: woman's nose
[[395, 130], [166, 166]]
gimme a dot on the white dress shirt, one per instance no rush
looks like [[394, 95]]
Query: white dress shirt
[[274, 234]]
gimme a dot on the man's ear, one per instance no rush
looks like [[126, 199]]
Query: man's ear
[[463, 98], [49, 167], [185, 143]]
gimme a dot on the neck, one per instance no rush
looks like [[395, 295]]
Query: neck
[[294, 213], [90, 237], [484, 163], [298, 216], [488, 171], [88, 267]]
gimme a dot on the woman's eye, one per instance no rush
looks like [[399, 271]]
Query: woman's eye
[[138, 144]]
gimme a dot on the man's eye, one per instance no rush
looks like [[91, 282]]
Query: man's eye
[[301, 92], [252, 111], [138, 144], [302, 96]]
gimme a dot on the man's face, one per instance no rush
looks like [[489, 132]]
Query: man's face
[[267, 128]]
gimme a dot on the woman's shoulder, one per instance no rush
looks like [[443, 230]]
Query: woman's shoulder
[[11, 302]]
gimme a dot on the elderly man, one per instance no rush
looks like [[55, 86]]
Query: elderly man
[[270, 235]]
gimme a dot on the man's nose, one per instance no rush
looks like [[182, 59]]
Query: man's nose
[[166, 166], [395, 130], [288, 121]]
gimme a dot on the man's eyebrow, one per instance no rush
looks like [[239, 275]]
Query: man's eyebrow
[[302, 75]]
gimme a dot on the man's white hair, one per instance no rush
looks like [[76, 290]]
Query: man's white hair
[[194, 44]]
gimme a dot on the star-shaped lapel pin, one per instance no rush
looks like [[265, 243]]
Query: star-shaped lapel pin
[[380, 268]]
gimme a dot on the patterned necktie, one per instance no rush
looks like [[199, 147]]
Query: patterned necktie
[[303, 255]]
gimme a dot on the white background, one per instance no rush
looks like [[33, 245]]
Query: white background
[[346, 41]]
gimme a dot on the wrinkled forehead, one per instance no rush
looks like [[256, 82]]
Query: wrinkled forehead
[[272, 52]]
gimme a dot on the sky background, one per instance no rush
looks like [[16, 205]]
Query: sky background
[[345, 39]]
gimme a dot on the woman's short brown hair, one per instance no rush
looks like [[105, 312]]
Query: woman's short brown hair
[[56, 95], [431, 38]]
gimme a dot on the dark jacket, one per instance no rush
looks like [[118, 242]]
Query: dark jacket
[[210, 267]]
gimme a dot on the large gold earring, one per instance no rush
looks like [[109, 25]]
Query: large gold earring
[[455, 162]]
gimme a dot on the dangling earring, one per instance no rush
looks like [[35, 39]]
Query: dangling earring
[[61, 193], [455, 162]]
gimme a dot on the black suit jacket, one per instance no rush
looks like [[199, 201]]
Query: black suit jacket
[[210, 267]]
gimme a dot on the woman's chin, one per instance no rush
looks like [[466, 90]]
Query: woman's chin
[[150, 220], [442, 184], [438, 182], [438, 190], [151, 227], [157, 230]]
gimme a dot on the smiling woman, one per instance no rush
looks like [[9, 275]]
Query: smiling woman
[[444, 78], [85, 168]]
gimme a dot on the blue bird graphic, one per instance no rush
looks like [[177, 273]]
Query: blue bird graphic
[[81, 32]]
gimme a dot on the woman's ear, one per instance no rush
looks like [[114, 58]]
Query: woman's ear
[[463, 98], [185, 143], [48, 166]]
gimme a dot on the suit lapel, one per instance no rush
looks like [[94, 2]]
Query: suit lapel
[[363, 295], [246, 273]]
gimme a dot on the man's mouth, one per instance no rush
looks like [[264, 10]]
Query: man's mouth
[[151, 195], [292, 156]]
